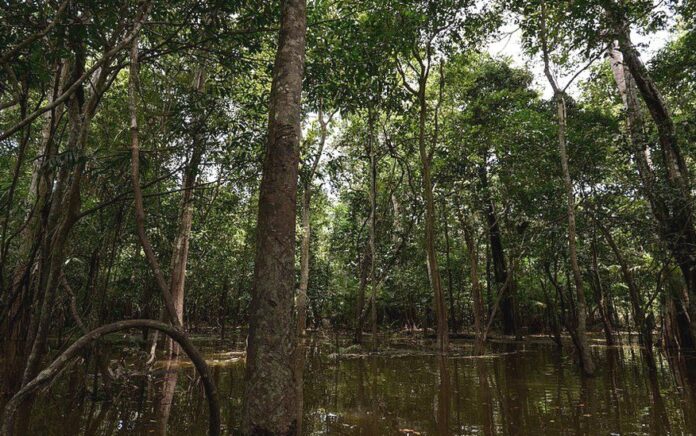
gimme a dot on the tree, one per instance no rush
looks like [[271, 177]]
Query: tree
[[271, 389]]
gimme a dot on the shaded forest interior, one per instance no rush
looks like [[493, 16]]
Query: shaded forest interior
[[307, 188]]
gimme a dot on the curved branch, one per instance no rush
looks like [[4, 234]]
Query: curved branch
[[88, 339]]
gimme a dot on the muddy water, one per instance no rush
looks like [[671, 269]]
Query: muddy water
[[515, 389]]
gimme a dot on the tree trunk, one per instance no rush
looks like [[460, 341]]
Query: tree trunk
[[180, 247], [306, 228], [586, 361], [363, 265], [373, 225], [500, 271], [448, 264], [271, 390], [601, 300], [643, 323], [430, 249], [479, 316], [670, 198]]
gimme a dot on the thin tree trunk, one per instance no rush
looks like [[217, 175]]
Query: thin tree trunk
[[48, 374], [581, 341], [601, 298], [430, 249], [587, 363], [643, 325], [479, 315], [373, 225], [302, 297], [180, 247], [271, 390], [448, 264]]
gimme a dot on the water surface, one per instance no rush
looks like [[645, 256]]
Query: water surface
[[515, 389]]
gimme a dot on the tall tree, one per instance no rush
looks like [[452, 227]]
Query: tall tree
[[270, 396]]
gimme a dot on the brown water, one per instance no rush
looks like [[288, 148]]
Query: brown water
[[516, 389]]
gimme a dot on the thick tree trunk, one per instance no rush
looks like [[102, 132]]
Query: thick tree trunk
[[500, 270], [271, 391], [670, 197]]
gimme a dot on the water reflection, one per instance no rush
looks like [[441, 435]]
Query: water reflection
[[516, 389]]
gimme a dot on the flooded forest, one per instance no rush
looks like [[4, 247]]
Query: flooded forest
[[347, 217]]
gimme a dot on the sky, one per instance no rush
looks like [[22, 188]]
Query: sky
[[510, 45]]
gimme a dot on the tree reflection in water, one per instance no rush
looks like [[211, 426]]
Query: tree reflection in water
[[515, 389]]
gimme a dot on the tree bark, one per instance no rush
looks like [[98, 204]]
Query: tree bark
[[373, 225], [271, 391], [430, 248], [586, 361], [500, 270], [669, 197], [180, 247]]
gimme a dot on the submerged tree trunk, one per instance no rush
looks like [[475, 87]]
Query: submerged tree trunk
[[669, 197], [180, 247], [601, 297], [363, 265], [500, 270], [271, 390], [644, 324], [586, 361], [448, 264], [580, 337], [479, 316], [373, 225], [430, 249]]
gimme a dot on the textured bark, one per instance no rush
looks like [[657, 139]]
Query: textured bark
[[270, 397], [669, 195], [500, 270]]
